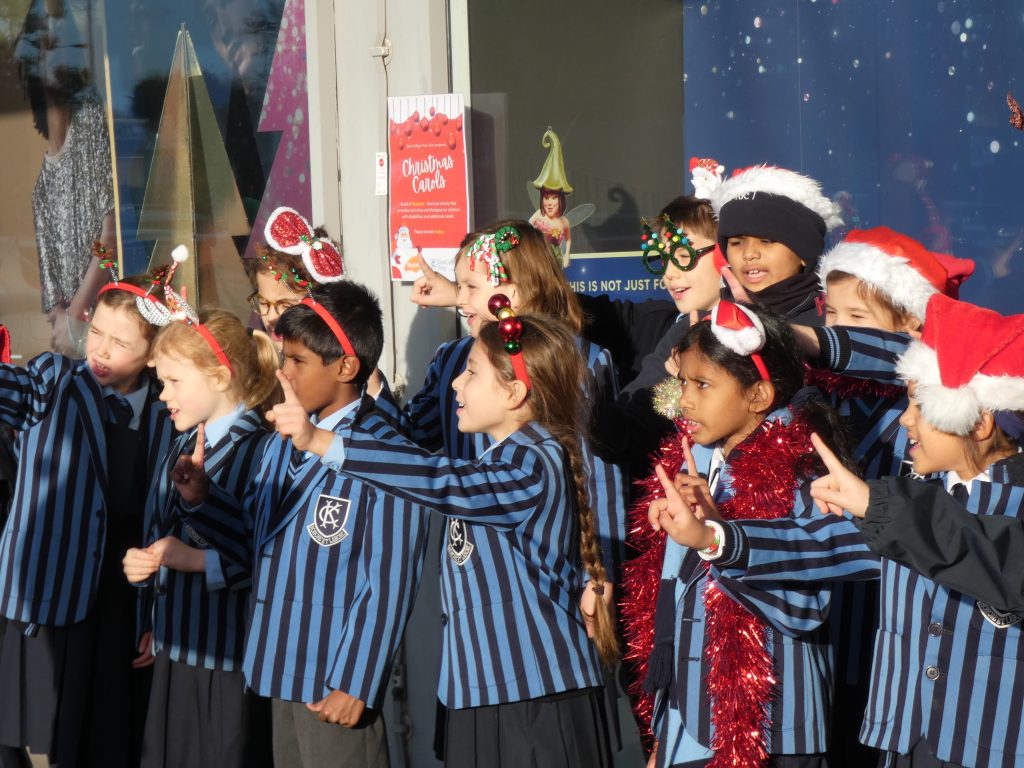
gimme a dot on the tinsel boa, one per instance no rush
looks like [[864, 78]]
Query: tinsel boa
[[846, 387], [765, 471]]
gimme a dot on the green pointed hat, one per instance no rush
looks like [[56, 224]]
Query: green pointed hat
[[552, 175]]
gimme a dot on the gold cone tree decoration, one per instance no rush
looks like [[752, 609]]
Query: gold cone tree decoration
[[191, 196]]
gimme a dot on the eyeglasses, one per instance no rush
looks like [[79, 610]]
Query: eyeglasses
[[676, 247], [262, 306]]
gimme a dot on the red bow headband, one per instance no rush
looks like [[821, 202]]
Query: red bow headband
[[511, 328], [740, 331], [289, 232], [333, 324]]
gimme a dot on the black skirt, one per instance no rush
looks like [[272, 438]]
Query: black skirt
[[558, 731], [204, 718]]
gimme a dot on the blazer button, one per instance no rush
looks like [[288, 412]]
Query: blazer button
[[444, 619], [935, 629], [932, 673]]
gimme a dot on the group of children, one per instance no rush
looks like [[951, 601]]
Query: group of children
[[182, 586]]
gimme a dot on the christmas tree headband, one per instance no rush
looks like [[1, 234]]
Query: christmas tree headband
[[289, 232], [510, 328], [741, 331], [109, 263], [676, 247], [488, 250], [175, 308], [333, 324]]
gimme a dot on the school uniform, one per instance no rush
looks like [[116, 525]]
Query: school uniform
[[199, 712], [510, 586], [70, 691], [797, 642], [335, 565]]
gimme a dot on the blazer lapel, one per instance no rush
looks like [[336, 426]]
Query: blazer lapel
[[92, 409]]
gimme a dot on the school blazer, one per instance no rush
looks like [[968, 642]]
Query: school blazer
[[948, 668], [795, 615], [430, 421], [512, 629], [335, 566], [197, 622], [53, 543]]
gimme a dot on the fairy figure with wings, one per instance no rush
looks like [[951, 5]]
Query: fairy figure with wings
[[548, 194]]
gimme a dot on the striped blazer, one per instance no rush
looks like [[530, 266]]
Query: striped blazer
[[797, 641], [335, 563], [197, 622], [430, 421], [943, 670], [53, 543], [512, 629]]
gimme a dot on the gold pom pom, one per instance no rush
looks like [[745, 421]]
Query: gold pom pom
[[665, 397]]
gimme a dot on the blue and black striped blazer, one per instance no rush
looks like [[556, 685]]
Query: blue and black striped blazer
[[430, 421], [512, 579], [195, 622], [335, 563], [53, 543], [795, 615]]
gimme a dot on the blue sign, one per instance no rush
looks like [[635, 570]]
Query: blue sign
[[619, 275]]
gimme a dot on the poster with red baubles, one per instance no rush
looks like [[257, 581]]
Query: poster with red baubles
[[428, 213]]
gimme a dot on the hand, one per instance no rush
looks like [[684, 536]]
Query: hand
[[588, 603], [173, 553], [139, 564], [189, 474], [672, 365], [652, 761], [739, 293], [339, 707], [145, 657], [290, 418], [432, 289], [840, 489], [677, 518]]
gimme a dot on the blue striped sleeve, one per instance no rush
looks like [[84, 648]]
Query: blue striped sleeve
[[863, 353], [26, 394], [223, 520]]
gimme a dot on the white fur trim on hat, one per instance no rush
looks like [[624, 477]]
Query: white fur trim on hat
[[745, 341], [778, 181], [954, 410], [892, 276]]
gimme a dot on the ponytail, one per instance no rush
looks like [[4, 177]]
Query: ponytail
[[266, 390]]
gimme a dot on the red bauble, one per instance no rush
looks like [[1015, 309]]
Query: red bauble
[[511, 328], [496, 302]]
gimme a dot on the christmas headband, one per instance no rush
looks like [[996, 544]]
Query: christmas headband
[[706, 176], [656, 253], [510, 328], [488, 249], [288, 231], [333, 324], [741, 331], [109, 263], [176, 308]]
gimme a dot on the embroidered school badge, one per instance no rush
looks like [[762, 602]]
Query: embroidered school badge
[[997, 618], [459, 545], [195, 536], [329, 518]]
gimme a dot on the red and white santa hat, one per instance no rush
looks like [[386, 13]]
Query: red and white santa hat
[[969, 360], [896, 266]]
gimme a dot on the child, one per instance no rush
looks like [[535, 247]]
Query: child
[[73, 664], [772, 225], [295, 256], [336, 563], [741, 671], [521, 681], [944, 689], [216, 382]]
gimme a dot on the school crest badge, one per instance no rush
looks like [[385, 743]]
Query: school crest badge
[[329, 518], [195, 536], [459, 545], [997, 618]]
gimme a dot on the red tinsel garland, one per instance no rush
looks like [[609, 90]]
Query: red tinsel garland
[[641, 577], [846, 387], [766, 470]]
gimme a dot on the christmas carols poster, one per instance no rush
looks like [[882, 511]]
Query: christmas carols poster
[[429, 211]]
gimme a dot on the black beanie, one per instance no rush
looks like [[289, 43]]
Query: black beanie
[[774, 217]]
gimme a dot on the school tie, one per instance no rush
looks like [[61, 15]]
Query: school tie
[[959, 492], [119, 412]]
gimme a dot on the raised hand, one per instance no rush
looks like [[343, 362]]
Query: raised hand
[[739, 293], [189, 473], [339, 707], [840, 489], [677, 518], [290, 417], [432, 289]]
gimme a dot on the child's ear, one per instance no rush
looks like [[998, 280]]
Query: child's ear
[[222, 379], [349, 369], [985, 427], [761, 395], [516, 392]]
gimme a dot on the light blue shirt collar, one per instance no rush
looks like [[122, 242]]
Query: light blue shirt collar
[[216, 429], [136, 401], [332, 421]]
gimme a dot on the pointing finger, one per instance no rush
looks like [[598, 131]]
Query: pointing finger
[[286, 387], [199, 454], [832, 464]]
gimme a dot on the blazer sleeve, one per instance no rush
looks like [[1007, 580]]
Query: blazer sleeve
[[26, 394], [862, 353], [921, 526]]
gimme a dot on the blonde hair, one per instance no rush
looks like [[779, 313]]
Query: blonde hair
[[254, 360], [537, 272], [559, 403]]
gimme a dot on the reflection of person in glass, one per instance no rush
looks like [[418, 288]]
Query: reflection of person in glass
[[73, 199]]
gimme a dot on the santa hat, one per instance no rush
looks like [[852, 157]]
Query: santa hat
[[969, 359], [775, 204], [897, 267]]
